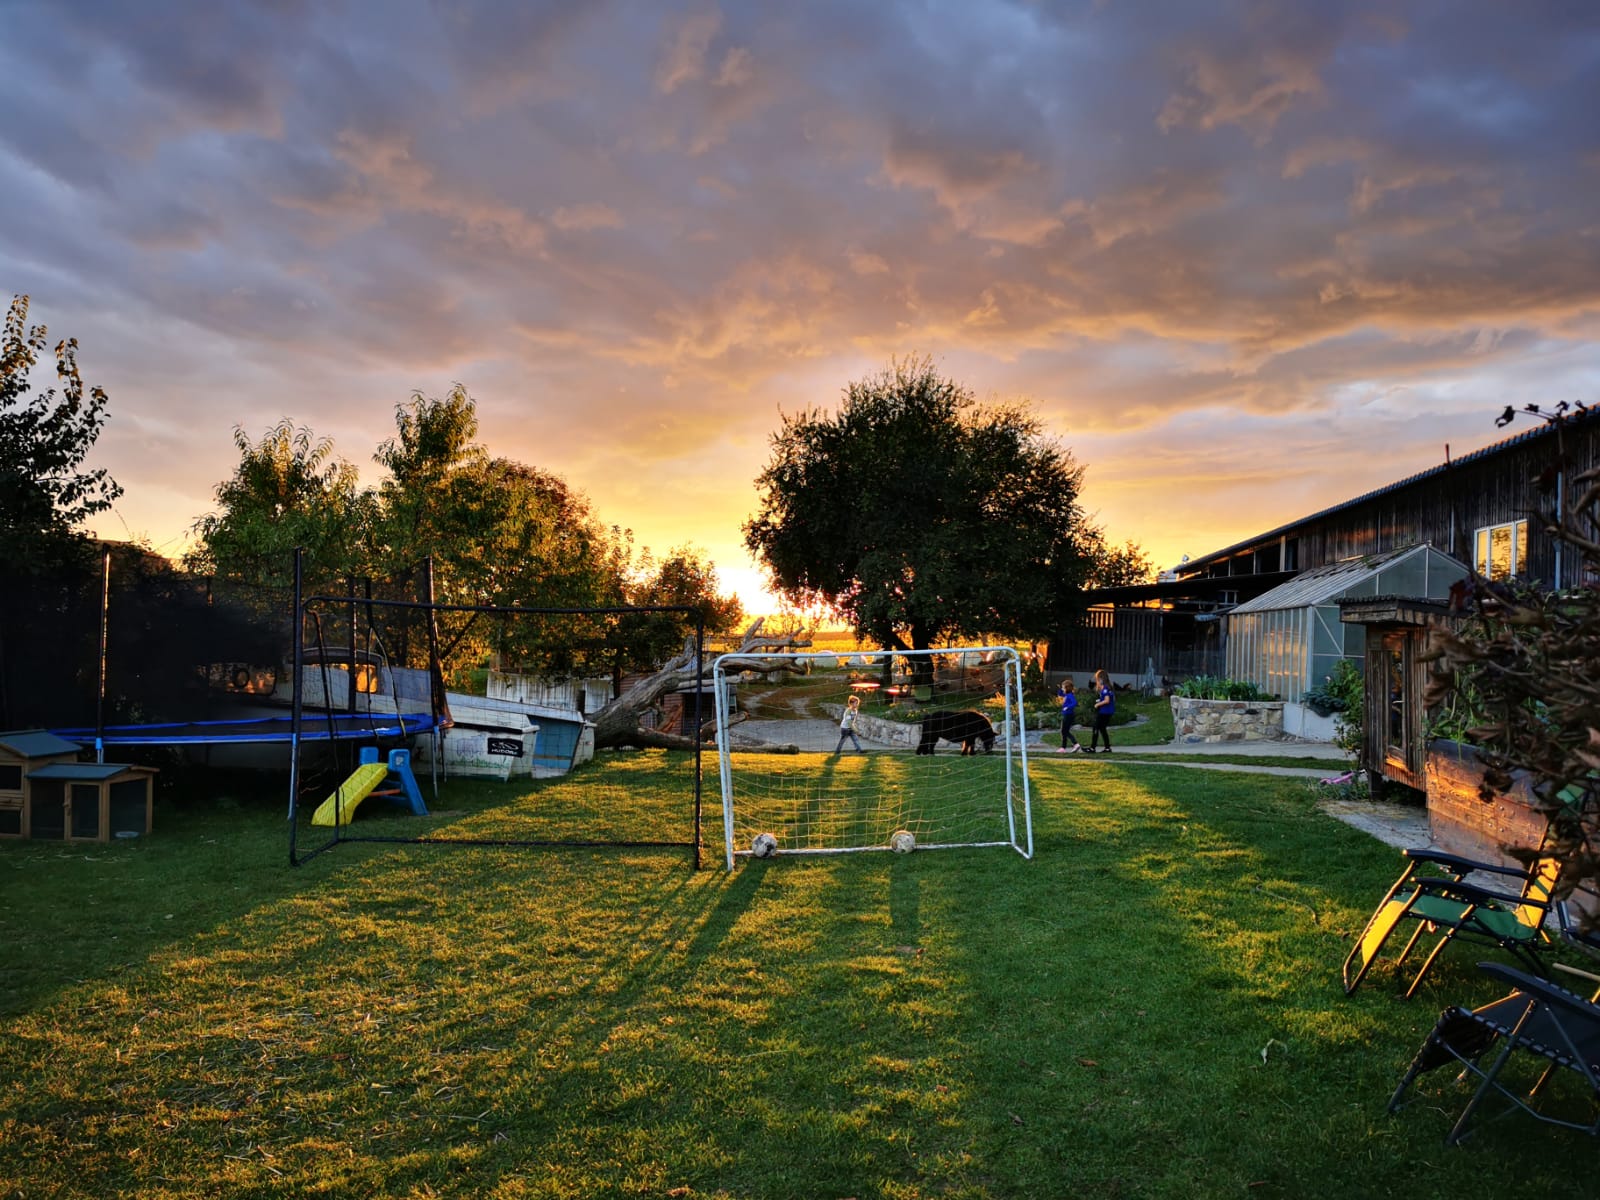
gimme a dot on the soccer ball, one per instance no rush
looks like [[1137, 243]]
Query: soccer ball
[[902, 841], [763, 845]]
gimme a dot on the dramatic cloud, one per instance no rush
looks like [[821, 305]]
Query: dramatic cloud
[[1247, 258]]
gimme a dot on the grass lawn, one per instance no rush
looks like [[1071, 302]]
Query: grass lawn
[[1150, 1007], [1328, 766]]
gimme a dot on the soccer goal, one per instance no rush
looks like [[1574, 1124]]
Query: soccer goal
[[492, 704], [835, 753]]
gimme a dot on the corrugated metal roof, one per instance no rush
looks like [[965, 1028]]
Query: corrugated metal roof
[[1323, 584], [37, 743], [1541, 430]]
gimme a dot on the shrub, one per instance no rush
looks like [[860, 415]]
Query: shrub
[[1215, 687], [1521, 667], [1340, 695]]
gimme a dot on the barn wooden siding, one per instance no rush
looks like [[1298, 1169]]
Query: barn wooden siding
[[1444, 507], [1127, 641]]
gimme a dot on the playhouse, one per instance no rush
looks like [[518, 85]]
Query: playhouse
[[46, 793]]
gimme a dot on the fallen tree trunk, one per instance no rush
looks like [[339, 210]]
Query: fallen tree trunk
[[621, 723]]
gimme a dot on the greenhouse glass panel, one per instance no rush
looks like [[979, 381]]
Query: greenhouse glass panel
[[1408, 577]]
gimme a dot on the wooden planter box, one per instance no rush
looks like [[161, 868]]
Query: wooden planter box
[[1461, 823]]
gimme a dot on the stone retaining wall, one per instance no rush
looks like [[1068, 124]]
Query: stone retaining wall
[[876, 729], [1226, 720], [892, 733]]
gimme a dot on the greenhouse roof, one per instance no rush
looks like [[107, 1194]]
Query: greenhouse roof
[[1324, 585]]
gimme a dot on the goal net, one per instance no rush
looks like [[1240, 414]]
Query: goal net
[[835, 753], [471, 724]]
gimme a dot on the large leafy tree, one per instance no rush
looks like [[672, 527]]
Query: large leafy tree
[[45, 493], [289, 490], [919, 514], [497, 532], [434, 501], [685, 577], [1116, 566]]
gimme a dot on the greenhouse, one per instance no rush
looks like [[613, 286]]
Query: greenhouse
[[1290, 638]]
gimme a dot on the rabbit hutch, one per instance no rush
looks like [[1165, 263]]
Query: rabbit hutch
[[46, 793]]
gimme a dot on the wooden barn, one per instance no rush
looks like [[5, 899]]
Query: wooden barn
[[1474, 508]]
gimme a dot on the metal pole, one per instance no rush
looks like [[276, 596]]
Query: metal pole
[[699, 677], [724, 774], [350, 693], [100, 682], [441, 701], [295, 709]]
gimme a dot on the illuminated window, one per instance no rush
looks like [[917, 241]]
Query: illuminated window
[[1502, 550]]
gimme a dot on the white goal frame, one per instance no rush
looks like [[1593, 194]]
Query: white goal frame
[[1012, 813]]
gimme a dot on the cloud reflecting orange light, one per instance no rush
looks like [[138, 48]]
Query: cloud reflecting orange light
[[1245, 262]]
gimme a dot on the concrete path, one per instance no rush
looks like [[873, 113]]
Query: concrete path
[[1338, 761], [1398, 825]]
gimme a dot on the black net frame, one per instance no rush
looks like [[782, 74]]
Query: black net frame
[[307, 608]]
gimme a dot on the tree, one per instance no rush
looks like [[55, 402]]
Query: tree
[[289, 490], [1116, 566], [1525, 658], [919, 514], [499, 533], [44, 439], [432, 504], [685, 578]]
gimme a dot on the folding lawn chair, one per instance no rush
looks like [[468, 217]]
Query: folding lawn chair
[[1538, 1017], [1447, 904]]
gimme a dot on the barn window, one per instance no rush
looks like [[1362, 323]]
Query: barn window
[[1502, 550]]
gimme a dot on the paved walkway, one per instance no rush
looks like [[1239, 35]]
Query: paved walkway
[[1400, 825]]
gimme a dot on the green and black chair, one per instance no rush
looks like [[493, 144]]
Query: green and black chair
[[1560, 1029], [1434, 897]]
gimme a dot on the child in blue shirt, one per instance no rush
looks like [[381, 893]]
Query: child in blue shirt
[[1105, 705], [1069, 717]]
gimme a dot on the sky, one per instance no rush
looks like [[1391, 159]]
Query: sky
[[1246, 260]]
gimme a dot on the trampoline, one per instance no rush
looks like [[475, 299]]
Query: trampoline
[[320, 727]]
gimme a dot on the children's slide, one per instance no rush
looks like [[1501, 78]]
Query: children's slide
[[340, 808]]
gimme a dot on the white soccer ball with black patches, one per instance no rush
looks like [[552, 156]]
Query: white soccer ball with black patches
[[763, 845], [902, 841]]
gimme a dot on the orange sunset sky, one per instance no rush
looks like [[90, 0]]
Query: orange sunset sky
[[1245, 259]]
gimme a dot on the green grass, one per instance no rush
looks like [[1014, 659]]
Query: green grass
[[1149, 1008], [1154, 730]]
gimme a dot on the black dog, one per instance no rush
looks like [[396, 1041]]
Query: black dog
[[964, 727]]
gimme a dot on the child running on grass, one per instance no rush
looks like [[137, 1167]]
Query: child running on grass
[[1069, 717]]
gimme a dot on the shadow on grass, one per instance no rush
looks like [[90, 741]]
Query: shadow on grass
[[1149, 1008]]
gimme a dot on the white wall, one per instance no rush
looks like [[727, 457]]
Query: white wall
[[1299, 721]]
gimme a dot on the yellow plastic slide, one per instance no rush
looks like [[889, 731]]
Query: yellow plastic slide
[[350, 794]]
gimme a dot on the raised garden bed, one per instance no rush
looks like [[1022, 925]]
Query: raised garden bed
[[1460, 822], [1201, 721]]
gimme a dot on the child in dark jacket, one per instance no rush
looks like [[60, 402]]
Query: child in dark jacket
[[1105, 706], [1069, 717]]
